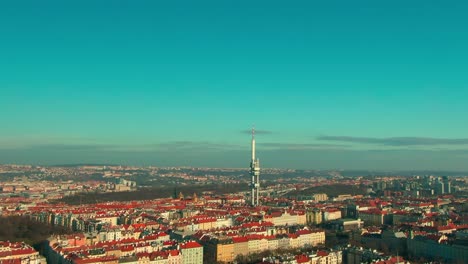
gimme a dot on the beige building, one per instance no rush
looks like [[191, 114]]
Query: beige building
[[253, 245], [294, 241], [311, 237], [241, 246], [263, 244], [225, 251], [313, 216], [111, 220], [282, 219], [318, 197], [324, 257], [219, 250], [206, 224], [272, 243], [331, 214]]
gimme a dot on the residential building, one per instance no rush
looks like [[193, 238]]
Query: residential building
[[192, 253]]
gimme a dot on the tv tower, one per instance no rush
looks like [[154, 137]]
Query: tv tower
[[255, 173]]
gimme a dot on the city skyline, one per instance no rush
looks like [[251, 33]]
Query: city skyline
[[359, 85]]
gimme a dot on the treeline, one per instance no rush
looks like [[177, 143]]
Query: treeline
[[152, 193], [281, 254], [331, 190], [23, 228]]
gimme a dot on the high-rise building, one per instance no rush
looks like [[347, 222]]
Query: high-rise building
[[447, 185], [439, 187], [255, 173]]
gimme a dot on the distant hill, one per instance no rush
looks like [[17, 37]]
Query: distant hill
[[81, 165], [331, 190], [152, 193]]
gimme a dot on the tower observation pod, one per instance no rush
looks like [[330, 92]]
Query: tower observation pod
[[255, 174]]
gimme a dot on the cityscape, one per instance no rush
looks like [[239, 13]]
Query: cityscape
[[233, 132], [105, 215]]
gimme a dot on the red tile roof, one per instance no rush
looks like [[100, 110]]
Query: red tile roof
[[190, 244]]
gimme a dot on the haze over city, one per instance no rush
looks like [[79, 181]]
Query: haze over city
[[328, 84]]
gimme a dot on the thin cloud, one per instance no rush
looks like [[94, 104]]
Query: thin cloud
[[68, 147], [259, 132], [297, 146], [181, 145], [74, 147], [397, 141], [173, 146]]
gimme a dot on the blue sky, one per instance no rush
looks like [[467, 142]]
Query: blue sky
[[332, 84]]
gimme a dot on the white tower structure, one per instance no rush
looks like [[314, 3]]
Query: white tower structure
[[255, 173]]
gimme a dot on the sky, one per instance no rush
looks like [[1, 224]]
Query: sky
[[328, 84]]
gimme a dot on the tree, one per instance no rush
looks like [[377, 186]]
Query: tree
[[24, 228]]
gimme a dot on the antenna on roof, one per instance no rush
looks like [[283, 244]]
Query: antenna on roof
[[253, 131]]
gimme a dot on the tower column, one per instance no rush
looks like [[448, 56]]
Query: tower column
[[255, 173]]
